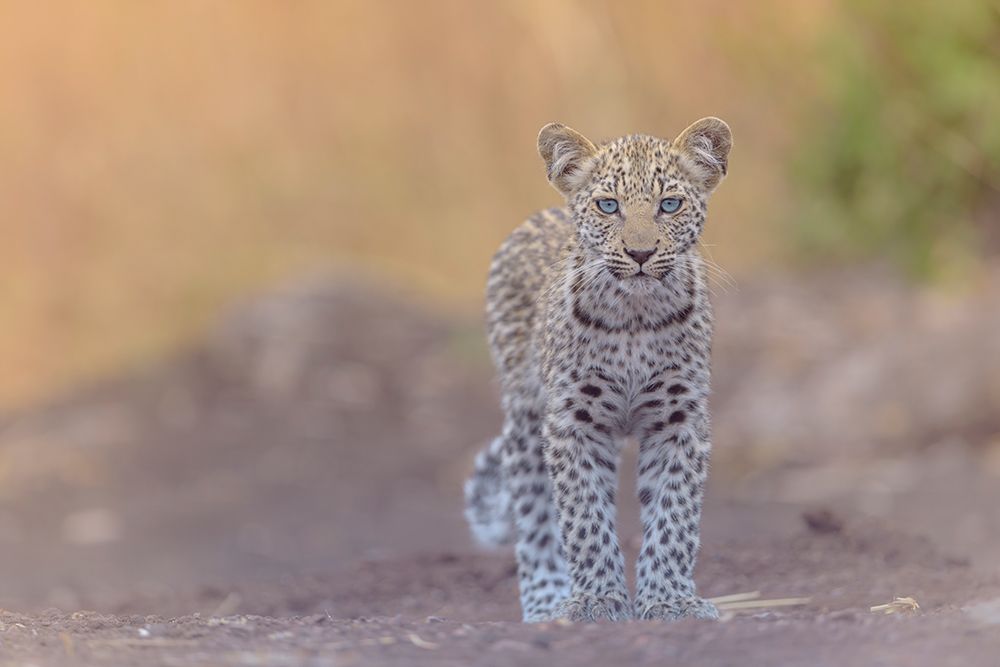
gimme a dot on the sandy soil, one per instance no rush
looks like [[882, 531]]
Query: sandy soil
[[288, 493]]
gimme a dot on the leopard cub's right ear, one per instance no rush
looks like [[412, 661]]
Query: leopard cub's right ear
[[567, 155]]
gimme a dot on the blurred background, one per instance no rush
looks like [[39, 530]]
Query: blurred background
[[161, 159], [234, 234]]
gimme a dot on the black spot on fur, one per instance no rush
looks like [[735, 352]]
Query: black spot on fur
[[652, 387]]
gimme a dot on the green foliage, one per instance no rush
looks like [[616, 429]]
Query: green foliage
[[903, 158]]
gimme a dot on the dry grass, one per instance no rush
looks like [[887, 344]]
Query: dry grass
[[752, 601], [899, 605], [160, 158]]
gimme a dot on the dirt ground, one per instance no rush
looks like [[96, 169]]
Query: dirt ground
[[288, 492]]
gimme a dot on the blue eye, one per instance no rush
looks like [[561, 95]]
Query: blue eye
[[670, 205], [607, 205]]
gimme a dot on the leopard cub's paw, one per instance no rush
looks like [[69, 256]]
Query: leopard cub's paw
[[677, 608], [589, 608]]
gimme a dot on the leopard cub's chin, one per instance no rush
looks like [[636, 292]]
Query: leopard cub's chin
[[640, 284]]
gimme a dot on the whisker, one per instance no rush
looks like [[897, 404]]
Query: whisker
[[715, 273], [710, 261]]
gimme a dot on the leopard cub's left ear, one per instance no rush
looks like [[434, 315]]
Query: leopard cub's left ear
[[706, 143]]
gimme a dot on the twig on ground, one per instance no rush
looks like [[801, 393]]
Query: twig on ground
[[735, 597], [897, 606], [763, 604], [751, 600]]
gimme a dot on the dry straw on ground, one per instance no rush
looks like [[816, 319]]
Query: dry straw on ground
[[751, 600], [900, 605]]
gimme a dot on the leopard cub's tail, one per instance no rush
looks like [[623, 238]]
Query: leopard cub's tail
[[487, 499]]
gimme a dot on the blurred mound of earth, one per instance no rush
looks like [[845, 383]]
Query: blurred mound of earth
[[855, 364], [335, 419]]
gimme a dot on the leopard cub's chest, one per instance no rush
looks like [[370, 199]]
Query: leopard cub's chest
[[632, 354], [626, 340]]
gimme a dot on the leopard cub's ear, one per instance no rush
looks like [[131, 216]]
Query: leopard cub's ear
[[706, 143], [567, 155]]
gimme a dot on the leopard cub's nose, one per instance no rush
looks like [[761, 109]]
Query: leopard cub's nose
[[640, 256]]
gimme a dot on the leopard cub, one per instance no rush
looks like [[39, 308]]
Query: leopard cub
[[600, 327]]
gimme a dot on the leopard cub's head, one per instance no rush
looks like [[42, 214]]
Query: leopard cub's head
[[639, 202]]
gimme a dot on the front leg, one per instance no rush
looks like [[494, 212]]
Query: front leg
[[582, 458], [674, 449]]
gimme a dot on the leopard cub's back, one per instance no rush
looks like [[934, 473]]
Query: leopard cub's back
[[521, 272]]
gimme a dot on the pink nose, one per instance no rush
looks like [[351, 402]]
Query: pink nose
[[640, 256]]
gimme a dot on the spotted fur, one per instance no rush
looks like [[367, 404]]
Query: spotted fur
[[600, 327]]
